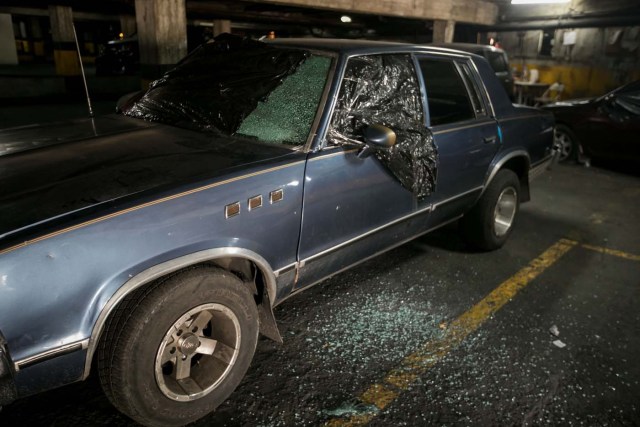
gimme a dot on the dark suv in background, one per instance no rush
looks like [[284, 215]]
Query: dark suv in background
[[497, 59]]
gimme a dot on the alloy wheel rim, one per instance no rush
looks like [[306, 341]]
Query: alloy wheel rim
[[197, 352], [505, 211], [563, 143]]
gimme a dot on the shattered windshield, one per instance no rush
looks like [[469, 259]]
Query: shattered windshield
[[241, 87]]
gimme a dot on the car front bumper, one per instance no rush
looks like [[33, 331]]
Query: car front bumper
[[8, 391]]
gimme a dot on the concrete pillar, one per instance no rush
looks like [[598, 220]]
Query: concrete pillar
[[443, 31], [65, 54], [8, 53], [221, 26], [162, 36], [128, 25]]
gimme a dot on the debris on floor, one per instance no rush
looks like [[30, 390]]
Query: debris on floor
[[559, 344]]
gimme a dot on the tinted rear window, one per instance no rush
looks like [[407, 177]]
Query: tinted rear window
[[447, 94], [497, 61]]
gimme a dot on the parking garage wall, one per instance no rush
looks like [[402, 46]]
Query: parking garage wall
[[601, 57]]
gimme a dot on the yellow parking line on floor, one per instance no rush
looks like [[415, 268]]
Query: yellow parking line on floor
[[417, 363], [613, 252]]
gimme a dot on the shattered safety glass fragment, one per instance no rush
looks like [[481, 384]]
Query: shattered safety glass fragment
[[221, 84], [286, 116], [384, 90]]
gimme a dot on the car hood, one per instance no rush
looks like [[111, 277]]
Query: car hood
[[52, 170], [573, 103]]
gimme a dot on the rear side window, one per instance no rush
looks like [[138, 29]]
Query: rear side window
[[447, 94], [497, 61]]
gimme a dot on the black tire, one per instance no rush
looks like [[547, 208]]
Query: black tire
[[480, 225], [143, 331], [565, 140]]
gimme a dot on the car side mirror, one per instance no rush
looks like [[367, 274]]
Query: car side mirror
[[377, 137]]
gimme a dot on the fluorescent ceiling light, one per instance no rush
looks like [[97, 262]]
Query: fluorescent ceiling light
[[345, 18], [538, 1]]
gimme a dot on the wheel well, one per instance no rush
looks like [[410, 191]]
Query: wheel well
[[520, 166], [245, 269]]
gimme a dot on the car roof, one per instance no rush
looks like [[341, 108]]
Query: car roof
[[348, 46], [469, 47]]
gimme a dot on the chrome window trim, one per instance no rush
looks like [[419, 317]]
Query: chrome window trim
[[341, 245], [465, 82], [50, 354], [423, 91], [323, 99], [469, 79], [334, 153], [165, 268], [484, 87]]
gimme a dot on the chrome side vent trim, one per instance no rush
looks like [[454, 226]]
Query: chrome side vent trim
[[232, 209], [255, 202], [276, 195]]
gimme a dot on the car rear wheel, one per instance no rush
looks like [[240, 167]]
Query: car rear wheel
[[177, 350], [489, 223], [566, 143]]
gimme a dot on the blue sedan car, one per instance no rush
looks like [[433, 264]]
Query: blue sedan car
[[152, 245]]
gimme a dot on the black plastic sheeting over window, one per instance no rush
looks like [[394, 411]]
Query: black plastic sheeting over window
[[217, 85], [383, 89]]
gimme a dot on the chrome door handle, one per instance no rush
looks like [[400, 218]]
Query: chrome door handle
[[490, 140]]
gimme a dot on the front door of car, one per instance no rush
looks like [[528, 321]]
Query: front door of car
[[466, 136], [355, 207]]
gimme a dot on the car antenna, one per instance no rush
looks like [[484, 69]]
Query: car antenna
[[84, 77]]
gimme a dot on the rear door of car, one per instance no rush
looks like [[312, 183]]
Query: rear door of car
[[466, 133]]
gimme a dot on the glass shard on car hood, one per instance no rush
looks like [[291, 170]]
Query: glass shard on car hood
[[383, 89]]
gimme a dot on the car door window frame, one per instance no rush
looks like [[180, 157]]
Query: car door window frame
[[479, 109], [322, 143], [469, 81]]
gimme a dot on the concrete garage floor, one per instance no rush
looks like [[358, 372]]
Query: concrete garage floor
[[432, 333]]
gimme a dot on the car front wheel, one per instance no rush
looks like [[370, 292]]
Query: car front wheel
[[177, 350], [489, 223]]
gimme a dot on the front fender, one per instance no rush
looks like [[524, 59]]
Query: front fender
[[162, 269]]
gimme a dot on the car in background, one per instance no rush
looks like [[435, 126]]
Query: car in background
[[498, 60], [118, 58], [606, 127], [152, 245]]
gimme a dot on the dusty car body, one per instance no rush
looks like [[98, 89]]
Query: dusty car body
[[158, 251], [604, 127]]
